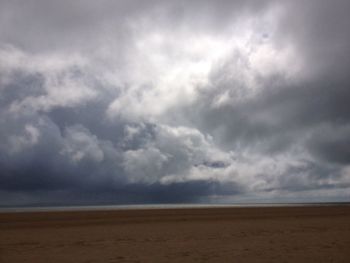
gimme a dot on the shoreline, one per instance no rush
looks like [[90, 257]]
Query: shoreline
[[58, 208]]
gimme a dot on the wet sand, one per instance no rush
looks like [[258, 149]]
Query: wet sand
[[275, 234]]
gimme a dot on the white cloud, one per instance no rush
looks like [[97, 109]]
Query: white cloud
[[65, 82], [79, 144], [27, 139], [169, 68], [144, 165]]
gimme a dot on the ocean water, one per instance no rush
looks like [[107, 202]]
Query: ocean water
[[159, 206]]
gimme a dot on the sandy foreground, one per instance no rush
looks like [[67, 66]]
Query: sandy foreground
[[289, 234]]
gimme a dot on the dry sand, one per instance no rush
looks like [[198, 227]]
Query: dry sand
[[289, 234]]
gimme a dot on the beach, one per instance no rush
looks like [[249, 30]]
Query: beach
[[239, 234]]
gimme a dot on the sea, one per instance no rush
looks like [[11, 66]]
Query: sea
[[160, 206]]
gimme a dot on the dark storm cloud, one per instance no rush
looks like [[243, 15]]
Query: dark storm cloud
[[133, 101], [77, 152], [189, 192]]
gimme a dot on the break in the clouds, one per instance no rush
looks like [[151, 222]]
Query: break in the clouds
[[174, 101]]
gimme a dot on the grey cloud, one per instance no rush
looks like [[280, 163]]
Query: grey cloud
[[116, 102], [312, 175], [331, 144], [286, 111], [41, 25], [320, 31]]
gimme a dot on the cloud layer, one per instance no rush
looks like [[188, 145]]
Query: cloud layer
[[163, 101]]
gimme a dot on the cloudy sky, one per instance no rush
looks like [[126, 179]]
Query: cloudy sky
[[174, 101]]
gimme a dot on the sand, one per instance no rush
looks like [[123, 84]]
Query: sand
[[275, 234]]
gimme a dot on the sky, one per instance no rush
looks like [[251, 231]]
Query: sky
[[131, 102]]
